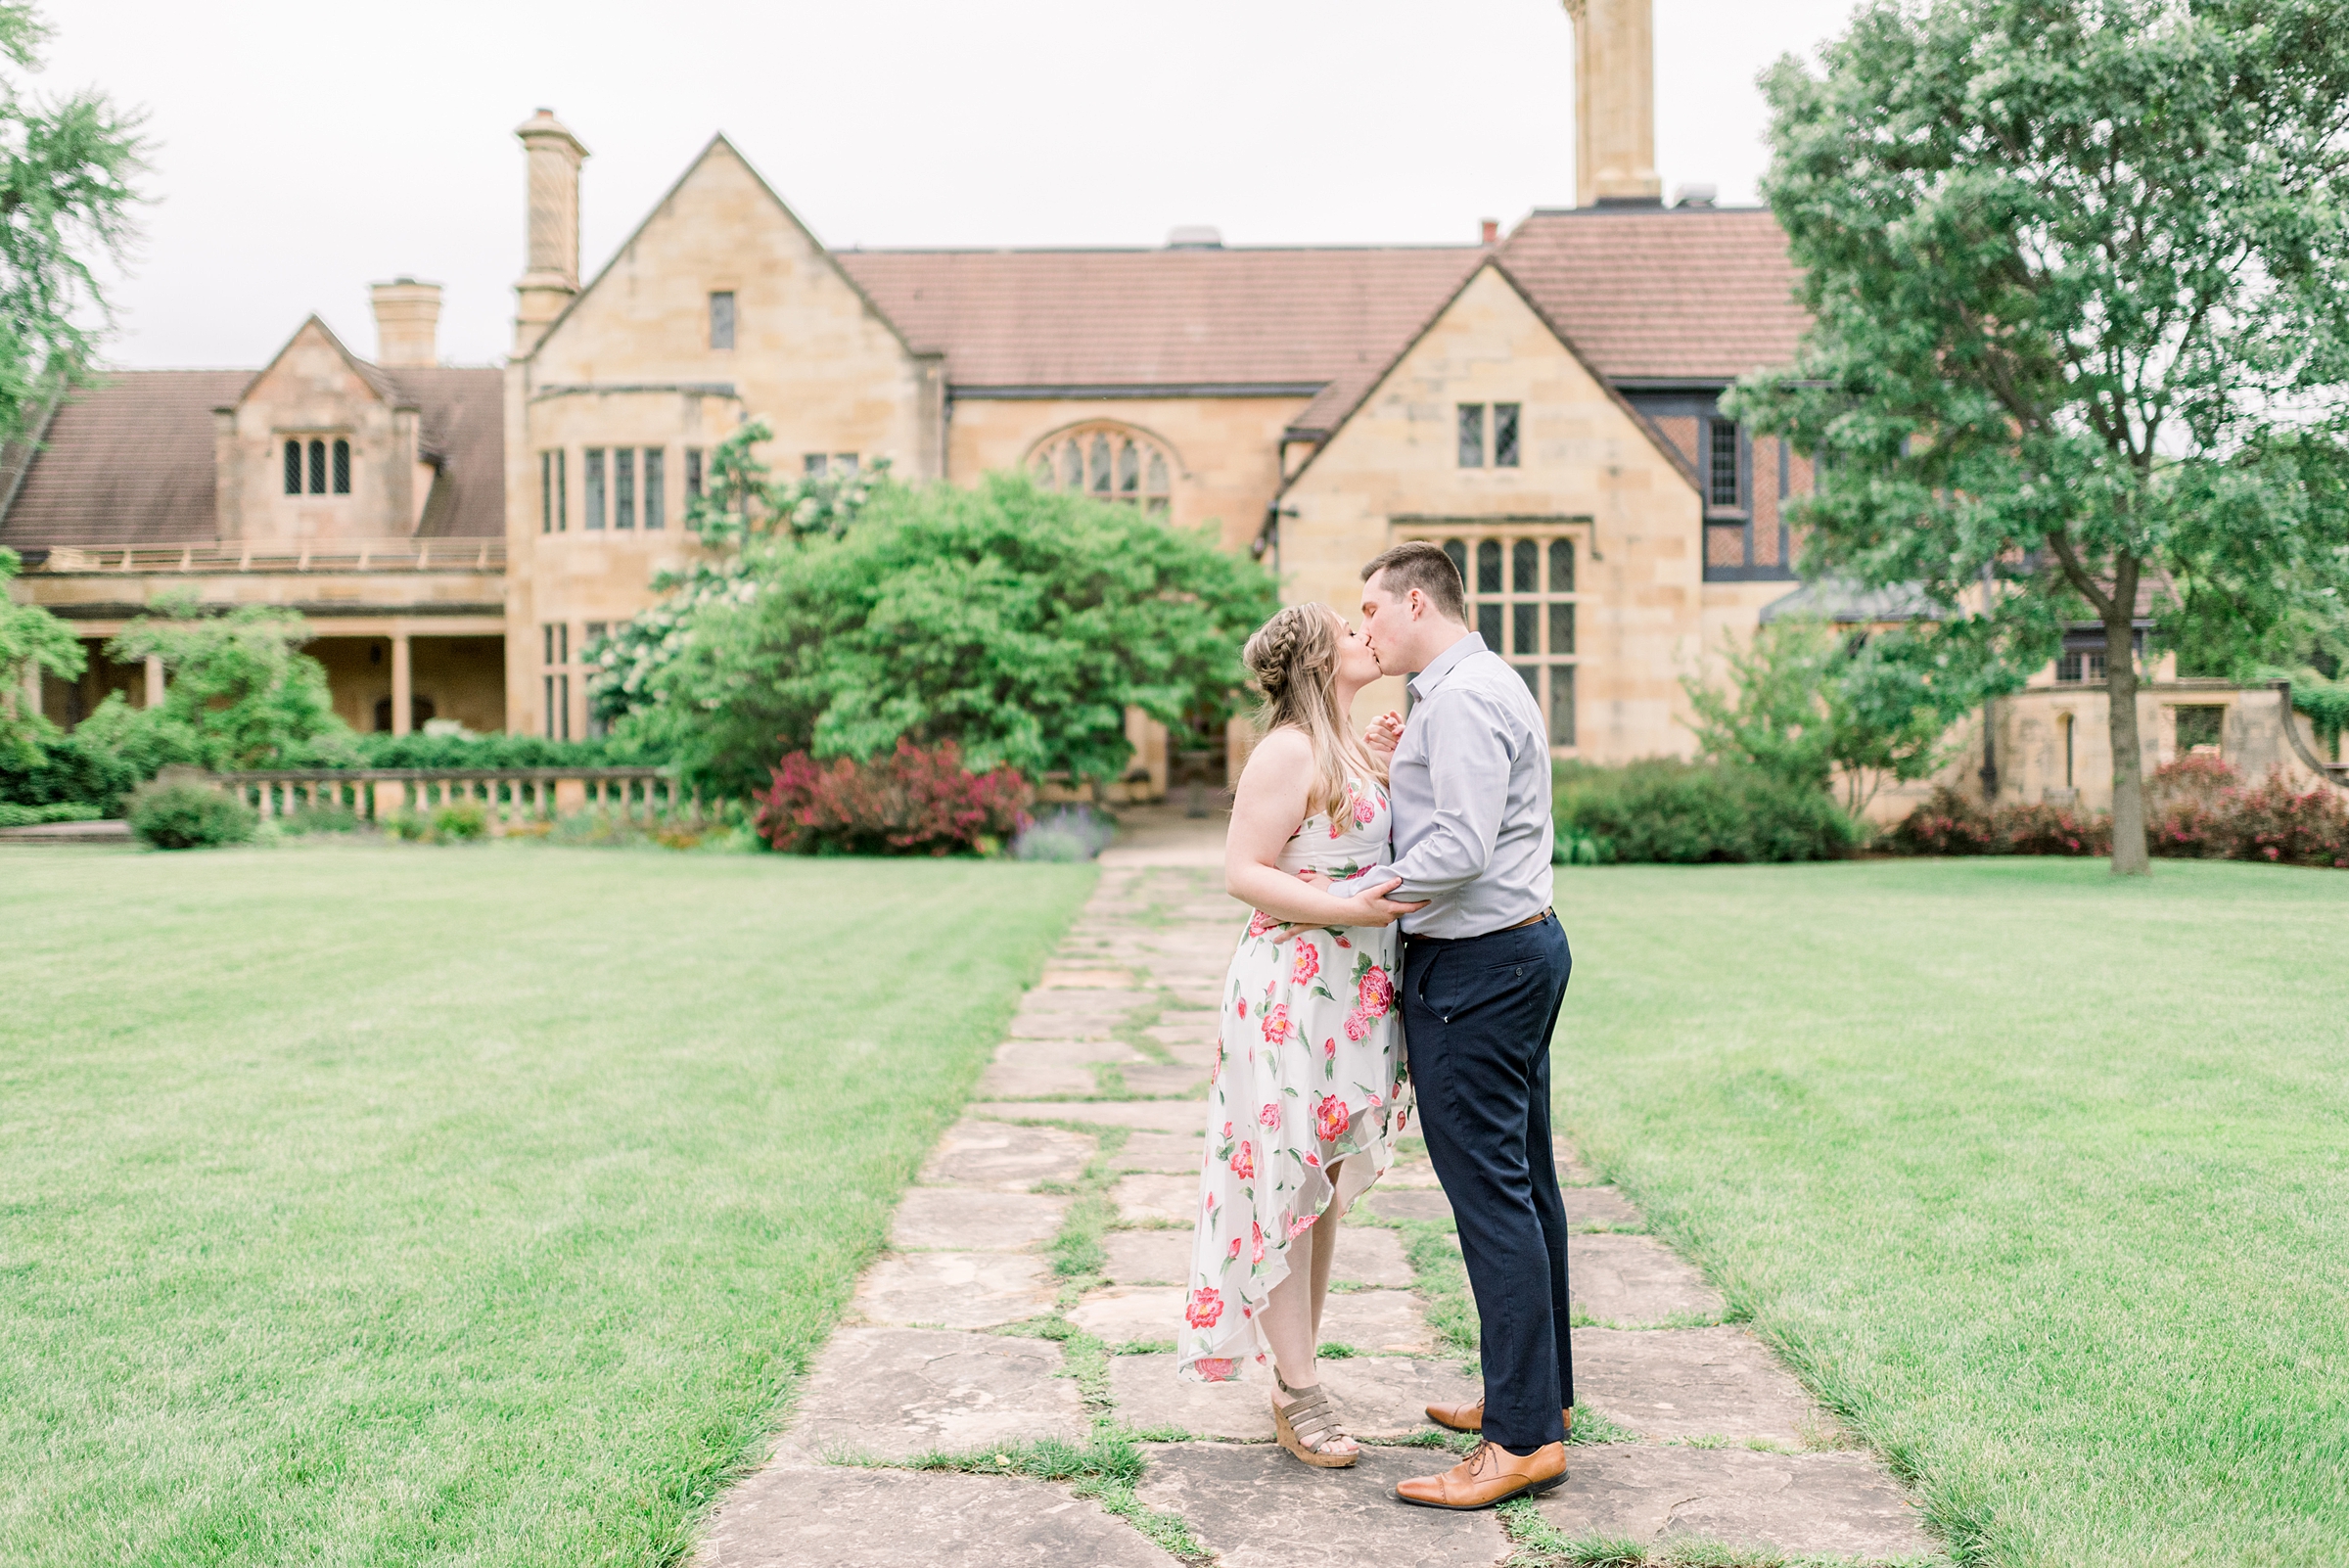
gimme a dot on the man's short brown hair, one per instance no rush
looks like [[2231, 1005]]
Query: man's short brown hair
[[1418, 564]]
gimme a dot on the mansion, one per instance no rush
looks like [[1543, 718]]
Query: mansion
[[1543, 403]]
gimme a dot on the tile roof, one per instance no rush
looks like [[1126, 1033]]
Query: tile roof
[[129, 460], [461, 424], [126, 461], [1701, 293], [1325, 317]]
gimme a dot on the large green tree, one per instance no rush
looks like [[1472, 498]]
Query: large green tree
[[2079, 273], [1017, 621], [65, 196]]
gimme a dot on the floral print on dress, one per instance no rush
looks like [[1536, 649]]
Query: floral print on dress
[[1310, 1071]]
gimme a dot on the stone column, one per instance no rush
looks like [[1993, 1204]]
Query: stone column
[[1614, 101], [32, 688], [403, 705], [154, 681]]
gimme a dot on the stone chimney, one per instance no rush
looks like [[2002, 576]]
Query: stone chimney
[[552, 274], [1614, 104], [407, 322]]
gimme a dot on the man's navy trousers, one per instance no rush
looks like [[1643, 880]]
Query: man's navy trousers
[[1477, 1016]]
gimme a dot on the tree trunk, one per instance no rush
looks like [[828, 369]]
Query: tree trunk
[[2129, 857]]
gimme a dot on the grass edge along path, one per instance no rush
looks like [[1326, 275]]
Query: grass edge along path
[[497, 1224]]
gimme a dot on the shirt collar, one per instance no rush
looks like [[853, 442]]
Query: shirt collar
[[1428, 680]]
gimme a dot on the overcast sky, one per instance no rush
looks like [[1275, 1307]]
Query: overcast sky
[[303, 150]]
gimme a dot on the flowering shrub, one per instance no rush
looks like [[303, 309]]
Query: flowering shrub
[[1946, 823], [912, 802], [2050, 830], [2203, 809], [2200, 808]]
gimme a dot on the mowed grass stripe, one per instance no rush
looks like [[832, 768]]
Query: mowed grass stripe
[[2040, 1178], [376, 1204]]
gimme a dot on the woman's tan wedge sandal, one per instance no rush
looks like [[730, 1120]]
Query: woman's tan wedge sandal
[[1308, 1425]]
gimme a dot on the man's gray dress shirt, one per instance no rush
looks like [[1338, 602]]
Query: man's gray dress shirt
[[1470, 786]]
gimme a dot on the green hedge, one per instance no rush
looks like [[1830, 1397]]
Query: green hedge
[[1687, 813], [497, 751]]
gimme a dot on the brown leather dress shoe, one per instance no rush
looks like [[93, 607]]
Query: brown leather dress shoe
[[1471, 1417], [1489, 1475]]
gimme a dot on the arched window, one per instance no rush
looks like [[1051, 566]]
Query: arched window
[[342, 466], [293, 467], [1108, 462]]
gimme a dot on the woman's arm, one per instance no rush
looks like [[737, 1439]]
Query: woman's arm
[[1268, 805]]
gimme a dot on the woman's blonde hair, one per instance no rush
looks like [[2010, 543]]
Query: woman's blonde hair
[[1294, 658]]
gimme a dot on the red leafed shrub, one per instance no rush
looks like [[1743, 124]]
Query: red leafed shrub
[[2203, 809], [2273, 821], [1950, 823], [2050, 830], [912, 802], [2200, 808], [2188, 803], [1946, 823]]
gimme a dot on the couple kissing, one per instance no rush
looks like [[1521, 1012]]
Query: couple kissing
[[1402, 959]]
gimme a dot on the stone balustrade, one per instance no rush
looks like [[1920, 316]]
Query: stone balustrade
[[510, 796]]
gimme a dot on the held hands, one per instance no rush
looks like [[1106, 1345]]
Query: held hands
[[1385, 732], [1368, 907]]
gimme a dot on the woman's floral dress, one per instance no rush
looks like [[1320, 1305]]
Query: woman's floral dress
[[1309, 1071]]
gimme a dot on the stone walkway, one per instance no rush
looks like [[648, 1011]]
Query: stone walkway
[[1028, 1301]]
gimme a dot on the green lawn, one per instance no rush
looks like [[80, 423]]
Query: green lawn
[[386, 1206], [2041, 1180]]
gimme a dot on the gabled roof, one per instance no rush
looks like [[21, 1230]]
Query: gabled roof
[[715, 142], [1342, 412], [129, 460], [461, 429], [1662, 295], [378, 380], [1304, 320]]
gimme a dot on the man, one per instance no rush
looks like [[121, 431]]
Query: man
[[1485, 966]]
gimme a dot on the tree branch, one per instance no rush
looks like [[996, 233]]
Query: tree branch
[[2077, 575]]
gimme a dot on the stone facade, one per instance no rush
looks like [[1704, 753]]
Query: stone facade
[[1306, 405]]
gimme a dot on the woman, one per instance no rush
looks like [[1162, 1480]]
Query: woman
[[1307, 1102]]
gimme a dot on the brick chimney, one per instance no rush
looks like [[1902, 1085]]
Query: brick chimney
[[407, 322], [1614, 104], [552, 274]]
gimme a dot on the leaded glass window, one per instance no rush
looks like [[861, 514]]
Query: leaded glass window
[[721, 320], [293, 468], [341, 468], [1109, 463], [317, 468], [1722, 471], [1472, 434], [656, 497], [1505, 434], [624, 487], [1522, 601]]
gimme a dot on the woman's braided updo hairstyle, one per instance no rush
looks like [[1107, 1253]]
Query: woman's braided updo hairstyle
[[1294, 658]]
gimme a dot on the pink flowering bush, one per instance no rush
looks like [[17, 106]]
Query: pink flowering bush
[[912, 802], [2196, 808]]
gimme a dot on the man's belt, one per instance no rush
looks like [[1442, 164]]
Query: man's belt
[[1528, 920]]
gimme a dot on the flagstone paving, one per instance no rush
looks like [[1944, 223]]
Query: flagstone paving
[[964, 1344]]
